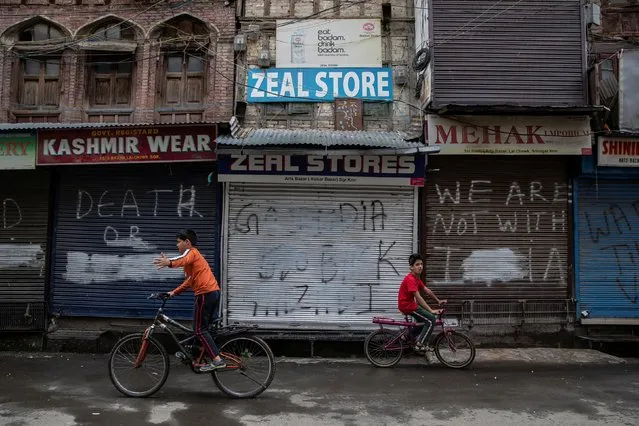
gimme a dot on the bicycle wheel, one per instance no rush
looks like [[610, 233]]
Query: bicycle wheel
[[250, 367], [151, 371], [382, 348], [454, 350]]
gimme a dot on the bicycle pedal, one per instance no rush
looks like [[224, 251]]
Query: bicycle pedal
[[180, 355]]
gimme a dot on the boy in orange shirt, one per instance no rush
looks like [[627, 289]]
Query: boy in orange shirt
[[207, 291]]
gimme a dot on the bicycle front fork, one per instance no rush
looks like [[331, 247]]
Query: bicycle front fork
[[143, 348]]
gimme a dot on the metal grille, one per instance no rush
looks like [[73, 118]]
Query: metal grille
[[497, 228], [517, 312], [608, 249], [23, 316], [315, 257], [524, 52], [24, 215], [110, 224]]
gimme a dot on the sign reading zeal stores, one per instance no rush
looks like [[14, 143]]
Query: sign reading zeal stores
[[127, 144], [618, 152], [329, 43], [332, 169], [523, 135], [17, 151]]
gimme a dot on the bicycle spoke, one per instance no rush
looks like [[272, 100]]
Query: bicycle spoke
[[382, 348], [243, 373], [138, 379], [252, 359], [455, 350]]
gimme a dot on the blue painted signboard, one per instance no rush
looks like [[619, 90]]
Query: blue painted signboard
[[319, 84]]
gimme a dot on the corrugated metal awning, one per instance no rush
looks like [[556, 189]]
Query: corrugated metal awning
[[39, 126], [324, 138]]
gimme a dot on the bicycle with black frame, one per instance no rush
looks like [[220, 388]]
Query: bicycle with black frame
[[139, 364]]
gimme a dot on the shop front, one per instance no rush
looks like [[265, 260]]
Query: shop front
[[24, 197], [496, 215], [317, 240], [122, 194], [607, 234]]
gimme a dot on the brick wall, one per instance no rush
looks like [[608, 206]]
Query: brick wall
[[397, 50], [145, 15], [619, 19], [619, 31]]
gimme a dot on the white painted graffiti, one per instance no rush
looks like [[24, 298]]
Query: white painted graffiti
[[528, 210], [84, 268], [129, 203], [21, 255], [11, 213], [112, 239], [125, 206]]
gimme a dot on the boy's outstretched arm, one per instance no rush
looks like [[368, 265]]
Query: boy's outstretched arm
[[184, 259]]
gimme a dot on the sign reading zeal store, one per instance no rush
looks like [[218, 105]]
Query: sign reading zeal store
[[517, 135], [17, 151], [332, 169], [330, 43], [319, 84], [127, 144], [618, 152]]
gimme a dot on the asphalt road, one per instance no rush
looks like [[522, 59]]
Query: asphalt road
[[74, 389]]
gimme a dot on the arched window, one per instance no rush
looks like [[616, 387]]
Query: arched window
[[113, 31], [185, 44], [38, 45], [40, 32], [111, 46]]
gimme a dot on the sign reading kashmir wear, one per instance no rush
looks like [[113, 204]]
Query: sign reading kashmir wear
[[618, 152], [134, 144], [520, 135], [17, 151], [332, 169]]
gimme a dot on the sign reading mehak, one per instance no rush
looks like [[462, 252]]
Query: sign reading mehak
[[135, 144]]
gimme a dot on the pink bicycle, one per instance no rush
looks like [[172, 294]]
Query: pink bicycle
[[384, 347]]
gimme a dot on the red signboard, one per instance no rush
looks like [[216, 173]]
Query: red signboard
[[127, 144]]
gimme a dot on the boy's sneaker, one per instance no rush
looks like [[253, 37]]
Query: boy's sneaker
[[213, 365], [419, 348]]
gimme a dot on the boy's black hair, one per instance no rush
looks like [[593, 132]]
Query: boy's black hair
[[414, 258], [188, 234]]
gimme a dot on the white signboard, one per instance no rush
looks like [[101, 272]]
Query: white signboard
[[618, 152], [329, 43], [516, 135]]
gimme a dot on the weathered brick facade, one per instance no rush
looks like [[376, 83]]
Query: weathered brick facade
[[619, 28], [257, 20], [74, 17]]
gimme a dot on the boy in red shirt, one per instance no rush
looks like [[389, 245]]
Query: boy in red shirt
[[201, 280], [411, 302]]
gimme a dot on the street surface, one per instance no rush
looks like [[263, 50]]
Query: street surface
[[509, 387]]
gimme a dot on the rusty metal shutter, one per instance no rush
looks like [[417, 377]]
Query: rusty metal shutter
[[608, 250], [111, 221], [497, 227], [23, 246], [307, 257], [529, 53]]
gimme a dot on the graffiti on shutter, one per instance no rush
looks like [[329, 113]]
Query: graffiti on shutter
[[137, 265], [506, 230]]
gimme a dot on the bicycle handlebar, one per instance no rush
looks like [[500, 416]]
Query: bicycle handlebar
[[160, 296]]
